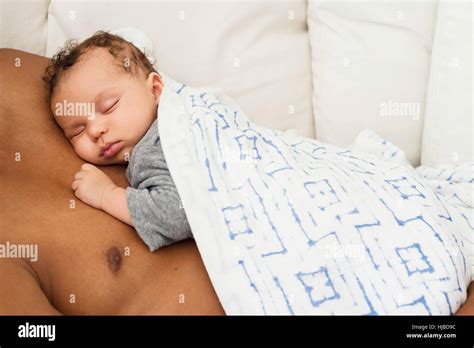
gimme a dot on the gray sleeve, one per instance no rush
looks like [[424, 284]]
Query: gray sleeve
[[157, 216], [153, 200]]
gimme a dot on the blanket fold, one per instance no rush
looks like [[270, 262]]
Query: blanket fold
[[290, 225]]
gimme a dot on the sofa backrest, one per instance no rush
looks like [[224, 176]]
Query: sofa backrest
[[448, 132], [255, 51], [362, 63], [371, 64], [24, 25]]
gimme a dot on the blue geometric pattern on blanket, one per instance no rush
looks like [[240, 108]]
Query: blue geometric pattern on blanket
[[322, 229], [414, 260], [236, 221], [405, 188], [454, 186], [326, 194], [319, 286]]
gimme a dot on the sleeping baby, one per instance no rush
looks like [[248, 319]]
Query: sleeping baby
[[104, 94], [272, 223]]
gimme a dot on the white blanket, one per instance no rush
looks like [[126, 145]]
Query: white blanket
[[290, 225]]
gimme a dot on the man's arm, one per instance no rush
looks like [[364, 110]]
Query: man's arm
[[22, 293], [468, 307], [114, 202]]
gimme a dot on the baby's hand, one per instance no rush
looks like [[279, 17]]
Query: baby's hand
[[90, 184]]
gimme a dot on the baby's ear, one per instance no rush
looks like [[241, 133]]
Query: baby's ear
[[155, 84]]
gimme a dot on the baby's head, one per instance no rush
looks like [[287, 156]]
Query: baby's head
[[104, 94]]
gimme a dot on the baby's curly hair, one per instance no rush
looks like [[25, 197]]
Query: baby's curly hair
[[130, 58]]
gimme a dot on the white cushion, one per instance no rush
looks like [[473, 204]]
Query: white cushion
[[448, 133], [370, 69], [257, 52], [23, 25]]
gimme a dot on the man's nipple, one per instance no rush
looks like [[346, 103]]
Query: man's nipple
[[114, 259]]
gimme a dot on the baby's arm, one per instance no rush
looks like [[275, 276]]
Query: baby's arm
[[156, 215], [94, 187], [114, 202]]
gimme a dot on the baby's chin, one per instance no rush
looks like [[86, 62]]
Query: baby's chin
[[112, 161], [101, 161]]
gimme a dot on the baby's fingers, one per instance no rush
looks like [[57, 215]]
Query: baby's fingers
[[75, 185], [79, 175], [87, 167]]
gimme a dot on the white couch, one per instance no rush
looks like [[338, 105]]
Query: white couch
[[324, 69]]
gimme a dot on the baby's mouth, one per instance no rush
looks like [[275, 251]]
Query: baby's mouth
[[110, 149]]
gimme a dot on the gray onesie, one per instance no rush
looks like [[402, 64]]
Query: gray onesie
[[153, 201]]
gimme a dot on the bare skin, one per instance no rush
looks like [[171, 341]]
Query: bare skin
[[88, 261], [78, 247]]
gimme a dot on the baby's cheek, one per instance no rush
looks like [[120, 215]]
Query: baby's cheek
[[86, 152]]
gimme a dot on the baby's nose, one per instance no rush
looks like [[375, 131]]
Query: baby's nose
[[96, 129]]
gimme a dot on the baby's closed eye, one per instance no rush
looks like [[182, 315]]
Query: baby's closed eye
[[109, 105], [78, 131]]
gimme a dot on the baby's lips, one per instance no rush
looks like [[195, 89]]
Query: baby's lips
[[105, 148], [112, 150]]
